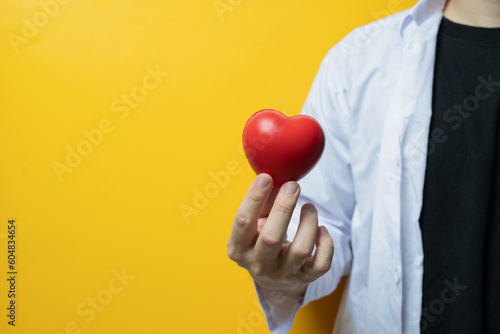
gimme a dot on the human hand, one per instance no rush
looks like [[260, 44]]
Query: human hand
[[258, 238]]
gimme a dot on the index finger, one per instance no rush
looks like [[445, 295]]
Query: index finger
[[245, 222]]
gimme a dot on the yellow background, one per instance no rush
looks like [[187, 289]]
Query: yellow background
[[120, 207]]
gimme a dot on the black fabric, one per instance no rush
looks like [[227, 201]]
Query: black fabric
[[460, 217]]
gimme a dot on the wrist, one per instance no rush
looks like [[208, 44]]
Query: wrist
[[292, 289]]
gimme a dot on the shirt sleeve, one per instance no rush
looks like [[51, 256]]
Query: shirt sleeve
[[328, 186]]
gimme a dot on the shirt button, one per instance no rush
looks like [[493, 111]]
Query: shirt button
[[398, 161], [397, 274]]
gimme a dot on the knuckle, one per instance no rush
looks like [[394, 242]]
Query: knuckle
[[242, 221], [283, 208], [323, 267], [270, 240], [253, 197], [294, 269], [233, 253], [301, 251], [257, 269], [306, 277]]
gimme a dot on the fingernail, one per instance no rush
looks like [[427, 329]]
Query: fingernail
[[323, 230], [291, 188], [263, 181], [311, 209]]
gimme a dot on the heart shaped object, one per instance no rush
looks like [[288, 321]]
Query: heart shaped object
[[286, 148]]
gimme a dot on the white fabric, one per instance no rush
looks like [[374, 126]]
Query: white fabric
[[372, 96]]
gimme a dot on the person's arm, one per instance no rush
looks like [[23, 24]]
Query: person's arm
[[329, 186], [257, 239]]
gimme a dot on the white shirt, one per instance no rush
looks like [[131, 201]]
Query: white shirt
[[372, 96]]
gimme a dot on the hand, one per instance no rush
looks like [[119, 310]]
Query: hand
[[258, 238]]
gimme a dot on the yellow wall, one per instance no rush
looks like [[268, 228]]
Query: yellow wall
[[67, 68]]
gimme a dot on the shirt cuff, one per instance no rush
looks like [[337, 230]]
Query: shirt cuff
[[279, 309]]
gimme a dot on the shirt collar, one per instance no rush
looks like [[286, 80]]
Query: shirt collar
[[423, 10]]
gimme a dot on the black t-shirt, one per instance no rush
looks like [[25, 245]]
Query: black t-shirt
[[460, 218]]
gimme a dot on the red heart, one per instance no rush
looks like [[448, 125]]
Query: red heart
[[286, 148]]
